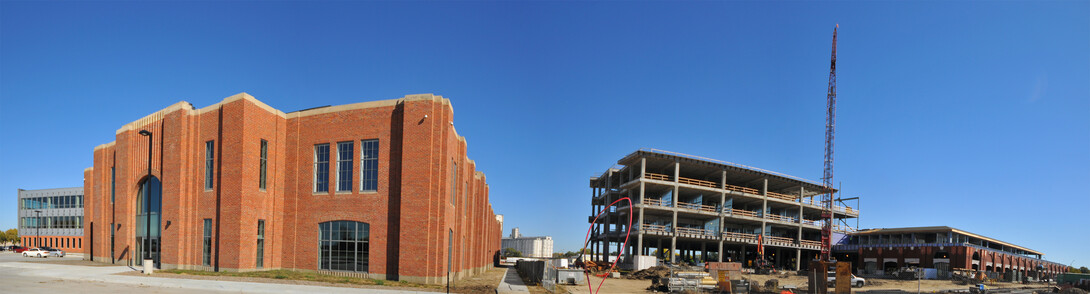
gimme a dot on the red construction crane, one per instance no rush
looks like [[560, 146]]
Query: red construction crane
[[827, 177]]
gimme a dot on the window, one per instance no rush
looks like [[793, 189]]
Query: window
[[453, 182], [344, 166], [369, 165], [260, 243], [264, 164], [321, 168], [209, 162], [207, 242], [450, 251], [343, 245]]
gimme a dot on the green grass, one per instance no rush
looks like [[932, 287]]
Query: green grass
[[299, 276]]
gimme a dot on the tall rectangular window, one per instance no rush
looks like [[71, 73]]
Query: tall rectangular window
[[344, 165], [369, 165], [113, 183], [321, 168], [207, 261], [453, 182], [450, 251], [209, 163], [264, 164], [260, 243]]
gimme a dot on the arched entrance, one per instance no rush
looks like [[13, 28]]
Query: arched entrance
[[149, 207]]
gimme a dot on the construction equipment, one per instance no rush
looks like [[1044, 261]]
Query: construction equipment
[[827, 176], [819, 269], [762, 264]]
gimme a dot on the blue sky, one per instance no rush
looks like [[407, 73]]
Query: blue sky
[[974, 115]]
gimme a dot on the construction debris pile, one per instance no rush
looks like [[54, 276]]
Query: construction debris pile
[[716, 276], [651, 273]]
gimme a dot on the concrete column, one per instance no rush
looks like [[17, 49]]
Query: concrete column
[[703, 251], [764, 206], [742, 259], [608, 215], [673, 224], [643, 166], [658, 249], [798, 259], [639, 201], [673, 249], [639, 234], [677, 173], [798, 239]]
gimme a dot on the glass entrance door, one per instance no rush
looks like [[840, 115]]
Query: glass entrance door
[[148, 232]]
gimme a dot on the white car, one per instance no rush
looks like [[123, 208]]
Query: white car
[[54, 251], [36, 252], [856, 281]]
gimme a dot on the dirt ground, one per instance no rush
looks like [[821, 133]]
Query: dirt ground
[[482, 283], [881, 284], [612, 285]]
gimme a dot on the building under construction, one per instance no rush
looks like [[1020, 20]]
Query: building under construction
[[691, 209]]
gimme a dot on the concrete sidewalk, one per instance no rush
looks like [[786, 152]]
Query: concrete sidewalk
[[511, 283], [106, 274]]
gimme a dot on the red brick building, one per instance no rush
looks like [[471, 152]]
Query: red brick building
[[378, 189], [878, 251]]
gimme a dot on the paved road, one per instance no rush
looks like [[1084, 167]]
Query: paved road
[[34, 275]]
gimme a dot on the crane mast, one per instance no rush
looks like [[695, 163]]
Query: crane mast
[[827, 176]]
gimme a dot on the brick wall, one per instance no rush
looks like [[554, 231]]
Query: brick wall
[[410, 215]]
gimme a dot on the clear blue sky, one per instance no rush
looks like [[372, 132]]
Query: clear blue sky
[[974, 115]]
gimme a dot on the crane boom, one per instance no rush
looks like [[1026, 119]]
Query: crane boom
[[827, 176]]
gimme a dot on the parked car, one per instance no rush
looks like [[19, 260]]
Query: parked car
[[5, 248], [856, 281], [18, 249], [54, 251], [36, 252]]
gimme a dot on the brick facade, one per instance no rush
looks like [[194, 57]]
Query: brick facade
[[410, 214]]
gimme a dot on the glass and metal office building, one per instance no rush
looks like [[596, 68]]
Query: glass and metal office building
[[52, 217]]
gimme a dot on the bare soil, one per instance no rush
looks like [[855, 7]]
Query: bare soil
[[612, 285], [800, 282]]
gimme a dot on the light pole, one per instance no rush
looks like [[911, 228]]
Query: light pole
[[38, 228], [147, 205]]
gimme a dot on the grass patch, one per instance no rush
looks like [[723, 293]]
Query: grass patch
[[300, 276]]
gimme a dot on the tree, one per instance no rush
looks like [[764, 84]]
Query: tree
[[11, 235], [511, 252], [1084, 270], [1072, 269]]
